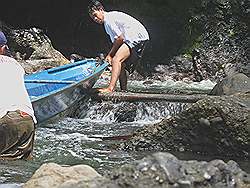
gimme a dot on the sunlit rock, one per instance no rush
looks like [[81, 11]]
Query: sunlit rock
[[54, 175]]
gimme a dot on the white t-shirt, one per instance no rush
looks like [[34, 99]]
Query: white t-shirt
[[13, 94], [118, 23]]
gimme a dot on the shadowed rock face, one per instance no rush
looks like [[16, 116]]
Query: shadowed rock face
[[220, 33], [215, 126]]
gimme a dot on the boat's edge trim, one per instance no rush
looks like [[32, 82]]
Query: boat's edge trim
[[99, 70]]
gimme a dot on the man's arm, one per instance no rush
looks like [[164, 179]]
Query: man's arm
[[116, 45]]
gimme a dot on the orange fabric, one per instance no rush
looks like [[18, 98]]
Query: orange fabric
[[23, 114]]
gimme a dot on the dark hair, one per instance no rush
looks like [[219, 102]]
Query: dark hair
[[95, 5]]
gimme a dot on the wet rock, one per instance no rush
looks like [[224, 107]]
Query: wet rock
[[215, 125], [180, 68], [165, 170], [138, 76], [33, 49], [232, 84], [76, 57], [54, 175], [182, 64]]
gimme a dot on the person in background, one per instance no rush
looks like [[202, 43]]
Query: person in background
[[129, 38], [17, 120]]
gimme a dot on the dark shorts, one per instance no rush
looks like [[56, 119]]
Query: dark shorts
[[136, 54], [17, 131]]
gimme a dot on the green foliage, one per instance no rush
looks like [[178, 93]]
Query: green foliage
[[191, 45], [231, 33]]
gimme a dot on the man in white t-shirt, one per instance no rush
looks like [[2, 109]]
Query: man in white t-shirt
[[129, 38], [17, 118]]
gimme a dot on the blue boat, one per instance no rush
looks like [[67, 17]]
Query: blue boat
[[54, 90]]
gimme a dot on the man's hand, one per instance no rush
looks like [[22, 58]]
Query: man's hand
[[116, 45], [109, 59]]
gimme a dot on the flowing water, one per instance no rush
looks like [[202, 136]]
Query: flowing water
[[78, 140], [90, 137]]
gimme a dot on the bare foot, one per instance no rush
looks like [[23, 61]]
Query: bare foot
[[105, 90]]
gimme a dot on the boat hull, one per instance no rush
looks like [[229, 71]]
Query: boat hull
[[50, 106], [54, 91]]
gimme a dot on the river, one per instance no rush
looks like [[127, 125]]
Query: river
[[91, 133]]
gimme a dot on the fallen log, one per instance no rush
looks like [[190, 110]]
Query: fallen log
[[132, 97]]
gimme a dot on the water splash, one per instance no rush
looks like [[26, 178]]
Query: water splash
[[132, 112], [166, 86]]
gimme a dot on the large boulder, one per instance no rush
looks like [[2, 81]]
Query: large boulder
[[236, 83], [54, 175], [33, 49], [215, 125], [165, 170]]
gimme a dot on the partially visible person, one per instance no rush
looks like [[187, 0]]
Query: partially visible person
[[17, 120], [129, 38]]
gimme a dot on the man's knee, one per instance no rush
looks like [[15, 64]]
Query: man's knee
[[119, 60]]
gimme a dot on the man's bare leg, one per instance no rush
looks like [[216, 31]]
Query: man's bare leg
[[123, 79], [121, 55]]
